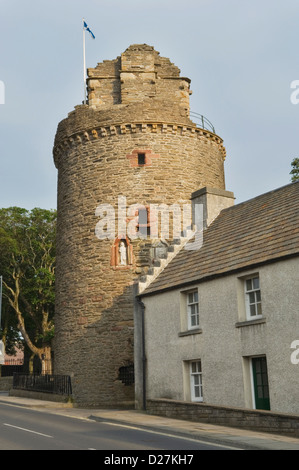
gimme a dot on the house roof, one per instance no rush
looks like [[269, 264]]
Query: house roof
[[255, 232]]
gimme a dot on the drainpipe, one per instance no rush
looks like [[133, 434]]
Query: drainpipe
[[142, 306]]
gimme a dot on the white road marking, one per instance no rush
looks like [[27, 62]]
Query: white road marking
[[27, 430]]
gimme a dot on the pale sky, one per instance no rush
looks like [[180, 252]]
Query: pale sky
[[241, 57]]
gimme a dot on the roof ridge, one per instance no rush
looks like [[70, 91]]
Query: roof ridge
[[261, 195]]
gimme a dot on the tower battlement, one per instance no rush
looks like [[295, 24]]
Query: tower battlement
[[137, 75]]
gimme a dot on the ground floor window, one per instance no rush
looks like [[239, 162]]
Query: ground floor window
[[196, 381]]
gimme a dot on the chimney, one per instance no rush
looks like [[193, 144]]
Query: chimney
[[213, 201]]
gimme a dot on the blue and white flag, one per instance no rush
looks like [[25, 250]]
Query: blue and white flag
[[87, 29]]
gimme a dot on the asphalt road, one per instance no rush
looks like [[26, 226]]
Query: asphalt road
[[25, 429]]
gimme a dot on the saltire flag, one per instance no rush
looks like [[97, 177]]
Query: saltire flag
[[87, 29]]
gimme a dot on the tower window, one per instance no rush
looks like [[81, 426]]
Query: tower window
[[141, 158], [144, 225]]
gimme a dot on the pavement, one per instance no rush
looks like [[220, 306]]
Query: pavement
[[221, 435]]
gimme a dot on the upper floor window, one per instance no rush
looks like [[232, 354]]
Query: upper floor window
[[189, 312], [253, 300], [192, 309]]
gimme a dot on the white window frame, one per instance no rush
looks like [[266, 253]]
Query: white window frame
[[196, 387], [253, 299], [192, 309]]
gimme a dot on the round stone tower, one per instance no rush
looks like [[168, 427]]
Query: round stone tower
[[132, 145]]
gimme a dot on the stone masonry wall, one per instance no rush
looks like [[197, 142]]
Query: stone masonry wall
[[139, 73], [255, 420], [5, 383]]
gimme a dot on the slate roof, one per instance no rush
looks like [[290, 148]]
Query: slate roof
[[255, 232]]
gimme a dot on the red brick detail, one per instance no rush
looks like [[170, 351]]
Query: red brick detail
[[97, 298], [133, 157]]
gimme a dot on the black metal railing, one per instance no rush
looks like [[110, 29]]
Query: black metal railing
[[57, 384], [10, 366], [202, 122]]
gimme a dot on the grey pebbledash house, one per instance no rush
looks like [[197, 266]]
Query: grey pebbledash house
[[220, 325]]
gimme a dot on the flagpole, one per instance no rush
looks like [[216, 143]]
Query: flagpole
[[84, 64]]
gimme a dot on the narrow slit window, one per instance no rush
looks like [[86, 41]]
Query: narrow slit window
[[144, 225], [141, 158]]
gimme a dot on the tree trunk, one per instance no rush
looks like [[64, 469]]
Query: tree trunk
[[30, 364], [44, 353]]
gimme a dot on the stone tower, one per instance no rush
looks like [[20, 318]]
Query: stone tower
[[134, 143]]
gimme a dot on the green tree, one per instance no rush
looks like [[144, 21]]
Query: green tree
[[295, 170], [10, 333], [27, 264]]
